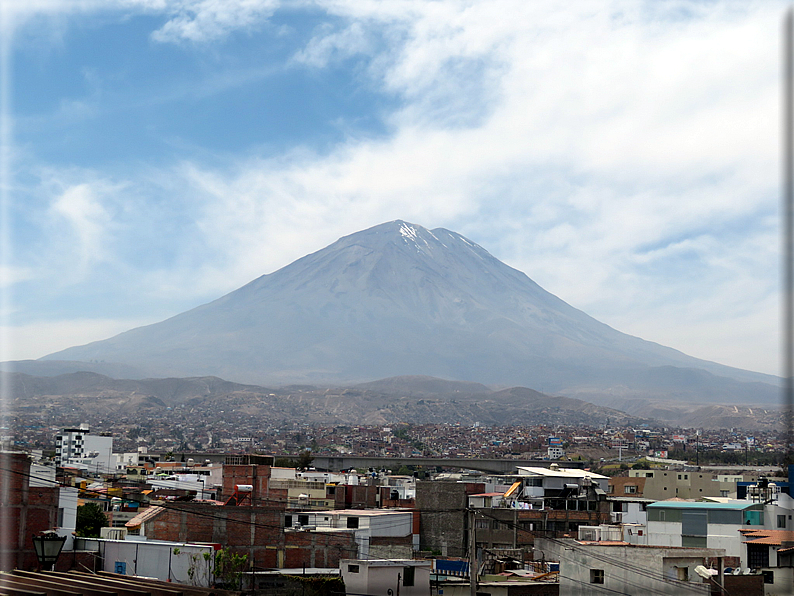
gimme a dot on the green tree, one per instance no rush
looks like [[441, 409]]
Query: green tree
[[284, 462], [305, 459], [229, 568], [90, 519]]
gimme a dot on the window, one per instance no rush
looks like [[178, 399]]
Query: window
[[596, 576], [781, 521], [303, 520], [481, 524], [769, 577], [287, 521], [757, 556], [408, 576], [630, 489], [683, 574], [352, 522], [352, 568]]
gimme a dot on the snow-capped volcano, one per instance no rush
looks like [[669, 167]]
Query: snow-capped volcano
[[399, 299]]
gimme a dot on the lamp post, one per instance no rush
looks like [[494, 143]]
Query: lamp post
[[48, 546]]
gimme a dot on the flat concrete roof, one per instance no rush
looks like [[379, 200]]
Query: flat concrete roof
[[734, 506]]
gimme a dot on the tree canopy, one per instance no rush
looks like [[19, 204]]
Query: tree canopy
[[90, 520]]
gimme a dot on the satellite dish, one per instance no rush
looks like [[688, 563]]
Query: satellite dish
[[737, 571], [702, 572], [747, 571]]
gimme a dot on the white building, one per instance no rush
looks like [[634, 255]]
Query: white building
[[379, 533], [406, 577], [629, 510], [555, 452], [614, 568], [703, 524], [78, 447], [537, 488], [178, 562]]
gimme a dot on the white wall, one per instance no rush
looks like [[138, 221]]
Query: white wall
[[376, 578], [725, 536], [166, 561], [664, 533]]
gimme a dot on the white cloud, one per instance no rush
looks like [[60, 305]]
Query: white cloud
[[623, 154], [10, 275], [202, 21], [196, 21], [79, 217]]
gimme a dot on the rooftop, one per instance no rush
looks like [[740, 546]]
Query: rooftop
[[558, 473], [732, 506]]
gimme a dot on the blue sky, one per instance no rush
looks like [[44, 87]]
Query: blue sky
[[161, 153]]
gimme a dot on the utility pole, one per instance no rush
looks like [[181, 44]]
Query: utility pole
[[515, 528], [472, 553]]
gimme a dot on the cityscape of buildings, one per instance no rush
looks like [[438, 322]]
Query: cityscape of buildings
[[573, 506]]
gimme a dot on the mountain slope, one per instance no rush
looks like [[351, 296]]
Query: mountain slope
[[398, 299]]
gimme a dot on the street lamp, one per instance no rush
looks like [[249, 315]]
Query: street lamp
[[48, 546]]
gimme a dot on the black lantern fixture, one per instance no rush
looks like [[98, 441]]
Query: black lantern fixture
[[48, 547]]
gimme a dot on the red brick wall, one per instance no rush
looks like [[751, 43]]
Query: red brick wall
[[256, 531], [355, 497], [256, 475], [24, 511]]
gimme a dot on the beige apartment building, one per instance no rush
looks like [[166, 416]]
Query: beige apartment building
[[668, 484]]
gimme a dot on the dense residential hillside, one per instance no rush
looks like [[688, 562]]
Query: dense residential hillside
[[417, 400]]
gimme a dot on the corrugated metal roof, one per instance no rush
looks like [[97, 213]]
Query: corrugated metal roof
[[559, 473]]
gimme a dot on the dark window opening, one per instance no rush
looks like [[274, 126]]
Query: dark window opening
[[596, 576], [408, 576], [757, 555], [352, 522]]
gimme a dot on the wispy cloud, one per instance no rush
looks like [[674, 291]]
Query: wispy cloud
[[201, 21]]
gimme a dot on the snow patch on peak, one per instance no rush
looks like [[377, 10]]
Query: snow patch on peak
[[408, 231]]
